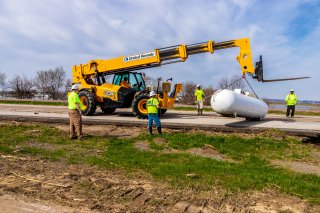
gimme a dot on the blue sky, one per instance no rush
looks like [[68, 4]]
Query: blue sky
[[37, 35]]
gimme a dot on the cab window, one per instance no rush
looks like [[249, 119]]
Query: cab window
[[140, 82], [117, 79], [134, 79]]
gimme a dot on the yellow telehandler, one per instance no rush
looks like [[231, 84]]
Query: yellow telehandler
[[95, 90]]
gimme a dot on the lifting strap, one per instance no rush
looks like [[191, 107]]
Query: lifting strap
[[251, 88]]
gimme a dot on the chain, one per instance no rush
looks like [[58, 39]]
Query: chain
[[251, 88]]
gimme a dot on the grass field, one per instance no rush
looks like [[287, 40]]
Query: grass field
[[247, 166], [306, 113]]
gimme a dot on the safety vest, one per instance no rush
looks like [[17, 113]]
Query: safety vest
[[73, 98], [152, 106], [291, 99], [199, 93]]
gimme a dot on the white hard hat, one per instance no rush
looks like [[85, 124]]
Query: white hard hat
[[291, 90], [152, 93], [198, 85], [75, 86]]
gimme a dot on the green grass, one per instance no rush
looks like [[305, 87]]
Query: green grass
[[34, 102], [249, 169], [305, 113]]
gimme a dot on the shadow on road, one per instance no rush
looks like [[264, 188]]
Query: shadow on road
[[252, 123], [244, 124]]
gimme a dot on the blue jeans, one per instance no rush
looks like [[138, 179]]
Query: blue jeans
[[153, 117]]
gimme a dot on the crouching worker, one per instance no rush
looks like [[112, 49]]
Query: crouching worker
[[74, 111], [152, 107]]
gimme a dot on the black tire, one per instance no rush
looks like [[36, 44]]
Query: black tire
[[228, 115], [162, 112], [88, 102], [108, 110], [139, 106]]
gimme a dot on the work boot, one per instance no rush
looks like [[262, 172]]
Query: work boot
[[81, 137], [73, 137], [159, 130], [150, 130]]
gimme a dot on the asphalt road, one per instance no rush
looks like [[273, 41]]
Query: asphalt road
[[300, 125]]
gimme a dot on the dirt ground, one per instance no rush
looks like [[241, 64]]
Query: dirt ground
[[30, 184]]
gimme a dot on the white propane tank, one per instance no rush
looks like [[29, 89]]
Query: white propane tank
[[237, 103]]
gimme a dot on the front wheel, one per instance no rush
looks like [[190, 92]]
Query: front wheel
[[88, 102], [139, 106]]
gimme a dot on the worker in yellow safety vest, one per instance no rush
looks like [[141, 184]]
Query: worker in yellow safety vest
[[74, 112], [152, 107], [199, 95], [291, 100]]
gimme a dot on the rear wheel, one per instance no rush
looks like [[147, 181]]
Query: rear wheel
[[139, 106], [88, 102]]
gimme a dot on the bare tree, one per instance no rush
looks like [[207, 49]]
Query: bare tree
[[67, 87], [223, 83], [50, 82], [208, 91], [57, 77], [187, 94], [3, 83], [149, 81], [22, 86], [235, 82], [41, 82]]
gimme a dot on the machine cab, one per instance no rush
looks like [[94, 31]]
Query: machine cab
[[133, 80]]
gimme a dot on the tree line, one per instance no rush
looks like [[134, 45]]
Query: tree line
[[47, 84], [52, 84]]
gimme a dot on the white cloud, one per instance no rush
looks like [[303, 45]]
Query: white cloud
[[37, 34]]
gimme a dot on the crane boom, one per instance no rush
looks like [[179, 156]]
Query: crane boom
[[167, 55]]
